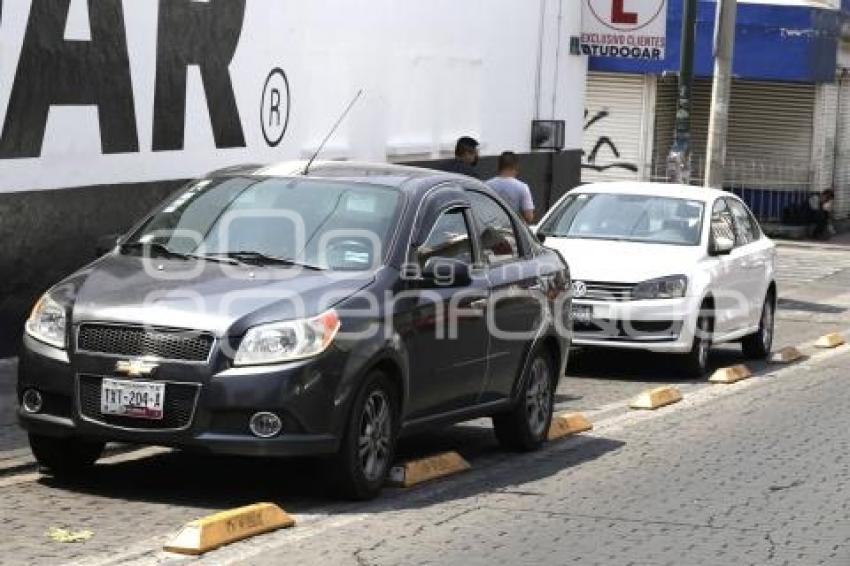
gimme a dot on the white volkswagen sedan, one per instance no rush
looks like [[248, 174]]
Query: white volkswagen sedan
[[665, 268]]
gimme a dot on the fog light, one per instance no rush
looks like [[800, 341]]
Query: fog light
[[265, 425], [32, 401]]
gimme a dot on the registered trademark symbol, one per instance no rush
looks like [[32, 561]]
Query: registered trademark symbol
[[274, 108]]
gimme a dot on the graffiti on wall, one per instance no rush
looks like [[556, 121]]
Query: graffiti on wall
[[594, 160]]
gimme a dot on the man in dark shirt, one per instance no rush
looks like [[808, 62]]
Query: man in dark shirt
[[466, 158]]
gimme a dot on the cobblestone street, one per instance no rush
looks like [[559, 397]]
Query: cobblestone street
[[753, 478]]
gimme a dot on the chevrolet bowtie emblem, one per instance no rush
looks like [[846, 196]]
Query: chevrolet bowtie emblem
[[135, 368]]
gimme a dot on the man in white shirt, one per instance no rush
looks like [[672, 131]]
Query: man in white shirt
[[516, 193]]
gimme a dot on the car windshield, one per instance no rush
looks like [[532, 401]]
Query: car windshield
[[316, 223], [631, 218]]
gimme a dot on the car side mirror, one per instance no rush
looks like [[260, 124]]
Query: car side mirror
[[721, 245], [105, 244], [540, 237], [447, 272]]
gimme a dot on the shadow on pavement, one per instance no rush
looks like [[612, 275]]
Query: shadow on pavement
[[806, 306], [219, 482], [640, 366]]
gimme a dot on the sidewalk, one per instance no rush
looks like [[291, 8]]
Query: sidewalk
[[839, 242]]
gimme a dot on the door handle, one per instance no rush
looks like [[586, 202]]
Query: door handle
[[480, 304], [536, 287]]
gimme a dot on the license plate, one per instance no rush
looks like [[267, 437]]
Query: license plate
[[582, 314], [134, 399]]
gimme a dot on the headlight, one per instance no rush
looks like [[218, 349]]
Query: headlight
[[672, 287], [47, 322], [287, 341]]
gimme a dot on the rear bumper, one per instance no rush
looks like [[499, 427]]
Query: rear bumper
[[665, 326], [302, 394]]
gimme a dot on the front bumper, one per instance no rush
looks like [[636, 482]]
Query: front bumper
[[665, 326], [302, 394]]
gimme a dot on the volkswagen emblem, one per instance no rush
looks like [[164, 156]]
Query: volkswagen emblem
[[579, 289]]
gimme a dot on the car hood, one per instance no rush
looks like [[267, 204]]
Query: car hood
[[624, 262], [207, 296]]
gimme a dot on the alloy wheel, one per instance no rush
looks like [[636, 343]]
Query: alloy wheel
[[538, 397], [767, 318], [375, 432], [704, 343]]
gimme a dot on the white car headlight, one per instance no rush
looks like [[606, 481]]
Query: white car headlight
[[48, 322], [287, 341], [672, 287]]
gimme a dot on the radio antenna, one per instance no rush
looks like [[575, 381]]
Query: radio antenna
[[333, 131]]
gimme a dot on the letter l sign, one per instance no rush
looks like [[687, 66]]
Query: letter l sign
[[619, 14]]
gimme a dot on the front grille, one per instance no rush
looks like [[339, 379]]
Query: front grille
[[136, 342], [615, 292], [178, 408]]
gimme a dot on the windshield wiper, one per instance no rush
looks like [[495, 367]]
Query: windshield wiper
[[259, 258], [164, 251], [160, 249]]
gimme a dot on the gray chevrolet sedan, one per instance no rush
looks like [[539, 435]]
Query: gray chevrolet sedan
[[271, 312]]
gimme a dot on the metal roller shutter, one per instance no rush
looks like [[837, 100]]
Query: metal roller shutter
[[769, 147], [770, 132], [617, 107]]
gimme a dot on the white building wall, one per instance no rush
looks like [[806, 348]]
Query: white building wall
[[430, 71]]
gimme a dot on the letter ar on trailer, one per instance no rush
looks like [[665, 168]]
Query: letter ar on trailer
[[206, 35], [53, 71]]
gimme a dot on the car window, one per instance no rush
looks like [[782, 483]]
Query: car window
[[722, 222], [627, 217], [337, 225], [448, 238], [496, 231], [746, 231]]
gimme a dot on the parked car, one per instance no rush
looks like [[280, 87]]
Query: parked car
[[665, 268], [269, 311]]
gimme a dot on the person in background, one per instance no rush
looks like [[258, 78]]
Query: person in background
[[466, 157], [823, 215], [516, 193]]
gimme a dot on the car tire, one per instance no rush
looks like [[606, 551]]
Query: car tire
[[758, 346], [360, 468], [65, 456], [695, 362], [526, 426]]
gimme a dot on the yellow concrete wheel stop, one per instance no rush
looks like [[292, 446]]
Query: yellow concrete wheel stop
[[731, 375], [567, 424], [427, 469], [787, 356], [214, 531], [833, 340], [656, 398]]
